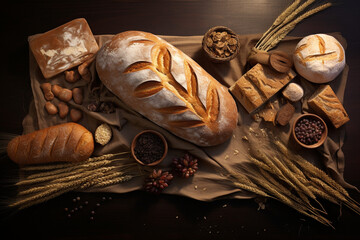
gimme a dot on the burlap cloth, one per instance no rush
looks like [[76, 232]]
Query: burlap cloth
[[209, 182]]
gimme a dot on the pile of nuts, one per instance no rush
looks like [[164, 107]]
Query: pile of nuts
[[64, 95], [222, 44]]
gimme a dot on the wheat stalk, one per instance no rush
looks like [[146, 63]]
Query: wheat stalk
[[294, 179], [59, 182], [286, 22], [46, 167], [276, 170], [279, 20], [50, 181], [112, 181], [49, 176], [286, 19], [273, 174], [320, 178], [50, 193], [310, 169], [277, 37], [64, 172], [323, 195], [277, 194], [335, 194]]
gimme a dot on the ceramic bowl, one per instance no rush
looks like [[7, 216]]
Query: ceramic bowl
[[135, 142], [323, 136], [213, 57]]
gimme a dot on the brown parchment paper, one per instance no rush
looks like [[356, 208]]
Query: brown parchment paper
[[210, 182]]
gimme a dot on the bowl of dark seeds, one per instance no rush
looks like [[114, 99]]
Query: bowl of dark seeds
[[149, 148], [221, 44], [309, 130]]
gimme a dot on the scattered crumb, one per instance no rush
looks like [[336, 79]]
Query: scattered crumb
[[226, 157], [177, 217], [245, 138], [261, 202], [236, 152], [224, 206], [195, 187], [204, 217], [234, 136], [256, 117], [204, 189], [263, 131]]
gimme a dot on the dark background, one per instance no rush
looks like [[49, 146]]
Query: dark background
[[138, 215]]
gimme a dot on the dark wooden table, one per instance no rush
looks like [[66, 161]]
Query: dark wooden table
[[138, 215]]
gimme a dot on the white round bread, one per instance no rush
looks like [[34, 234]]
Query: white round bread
[[319, 58]]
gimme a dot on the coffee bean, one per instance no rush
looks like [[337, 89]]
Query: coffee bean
[[309, 131]]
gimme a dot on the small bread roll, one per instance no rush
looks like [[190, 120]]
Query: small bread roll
[[319, 58], [293, 92]]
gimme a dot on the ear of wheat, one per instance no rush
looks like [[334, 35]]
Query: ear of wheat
[[287, 21], [283, 175], [41, 183]]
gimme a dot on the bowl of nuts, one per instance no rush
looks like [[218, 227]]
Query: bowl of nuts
[[309, 130], [149, 148], [221, 44]]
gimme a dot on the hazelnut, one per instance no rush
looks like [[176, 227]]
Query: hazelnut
[[77, 94], [51, 108], [65, 95], [75, 115], [63, 110], [46, 88]]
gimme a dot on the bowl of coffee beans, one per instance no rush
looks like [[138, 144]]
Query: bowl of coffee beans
[[309, 130], [149, 148], [221, 44]]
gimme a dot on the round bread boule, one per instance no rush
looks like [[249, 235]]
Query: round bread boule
[[293, 92], [319, 58]]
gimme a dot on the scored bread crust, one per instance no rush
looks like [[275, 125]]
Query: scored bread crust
[[166, 86], [68, 142], [325, 102], [319, 58]]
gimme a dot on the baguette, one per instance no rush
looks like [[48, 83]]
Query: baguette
[[166, 86], [68, 142]]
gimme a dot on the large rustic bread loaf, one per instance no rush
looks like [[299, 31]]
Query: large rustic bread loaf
[[168, 87], [319, 58], [68, 142]]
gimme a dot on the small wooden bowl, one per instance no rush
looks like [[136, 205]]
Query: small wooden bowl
[[211, 54], [134, 141], [323, 136]]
